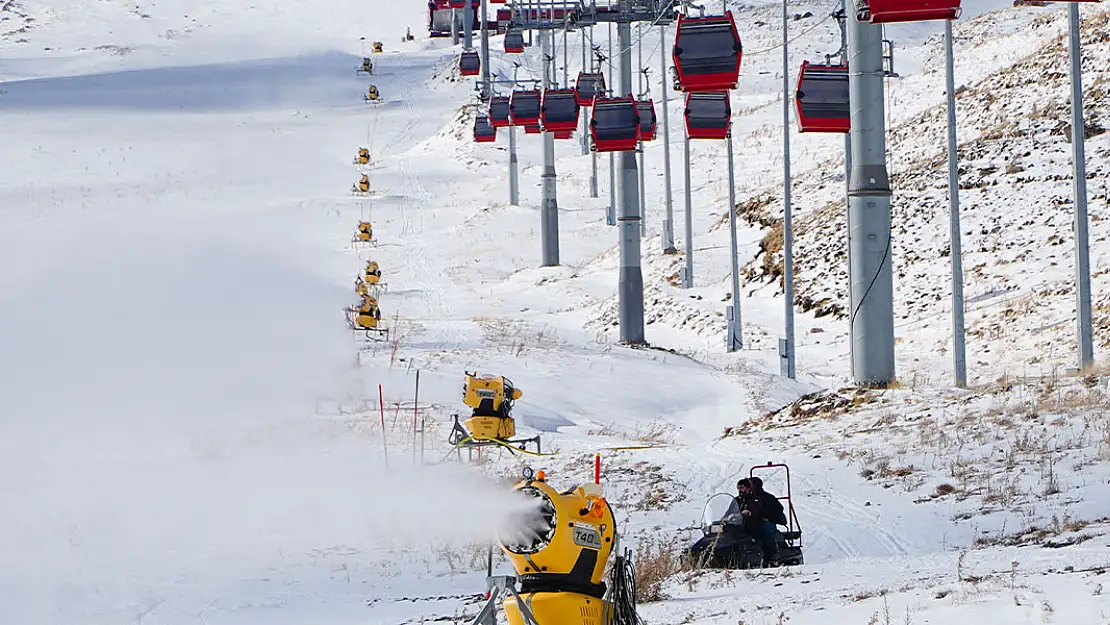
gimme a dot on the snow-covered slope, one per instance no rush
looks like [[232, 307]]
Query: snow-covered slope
[[1016, 207], [189, 434]]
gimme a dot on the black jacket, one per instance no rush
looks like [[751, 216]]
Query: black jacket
[[771, 509], [752, 503]]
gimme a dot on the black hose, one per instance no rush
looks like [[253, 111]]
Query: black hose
[[622, 580], [874, 278]]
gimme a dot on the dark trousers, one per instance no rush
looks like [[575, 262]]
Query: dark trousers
[[766, 532]]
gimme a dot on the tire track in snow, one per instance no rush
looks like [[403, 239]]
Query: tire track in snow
[[839, 518]]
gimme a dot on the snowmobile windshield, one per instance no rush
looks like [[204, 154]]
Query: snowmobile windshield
[[720, 507]]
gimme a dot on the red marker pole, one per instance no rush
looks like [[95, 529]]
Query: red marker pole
[[597, 468], [415, 412], [381, 408]]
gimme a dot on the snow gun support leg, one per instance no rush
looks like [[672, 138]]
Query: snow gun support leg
[[460, 439], [373, 335], [376, 335], [497, 586], [458, 433]]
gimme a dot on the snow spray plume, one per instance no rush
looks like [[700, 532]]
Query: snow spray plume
[[169, 425], [451, 505], [529, 524]]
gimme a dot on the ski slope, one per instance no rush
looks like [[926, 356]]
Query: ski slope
[[190, 434]]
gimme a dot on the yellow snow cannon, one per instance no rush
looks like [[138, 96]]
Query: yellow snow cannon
[[372, 94], [362, 187], [560, 548], [368, 314], [378, 46], [363, 157], [372, 274], [491, 398], [364, 232], [367, 66], [367, 317], [370, 281], [491, 422]]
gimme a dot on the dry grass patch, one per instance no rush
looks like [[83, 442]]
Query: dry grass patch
[[656, 562], [820, 406]]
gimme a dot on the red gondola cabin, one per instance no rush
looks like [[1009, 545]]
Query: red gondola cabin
[[707, 53], [441, 15], [589, 86], [514, 41], [895, 11], [499, 112], [532, 130], [564, 134], [821, 99], [524, 108], [648, 124], [484, 132], [559, 111], [614, 125], [470, 63], [708, 115]]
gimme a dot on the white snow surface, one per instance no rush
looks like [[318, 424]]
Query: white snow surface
[[189, 434]]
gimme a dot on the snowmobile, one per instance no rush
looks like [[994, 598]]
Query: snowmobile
[[362, 187], [726, 544], [491, 423], [372, 94], [367, 67], [367, 317]]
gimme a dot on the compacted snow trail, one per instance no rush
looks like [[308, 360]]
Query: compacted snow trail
[[419, 208]]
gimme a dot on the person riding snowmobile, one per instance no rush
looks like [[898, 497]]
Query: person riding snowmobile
[[760, 511], [772, 504]]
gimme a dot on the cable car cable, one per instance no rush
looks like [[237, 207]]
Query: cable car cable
[[794, 38], [654, 22]]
